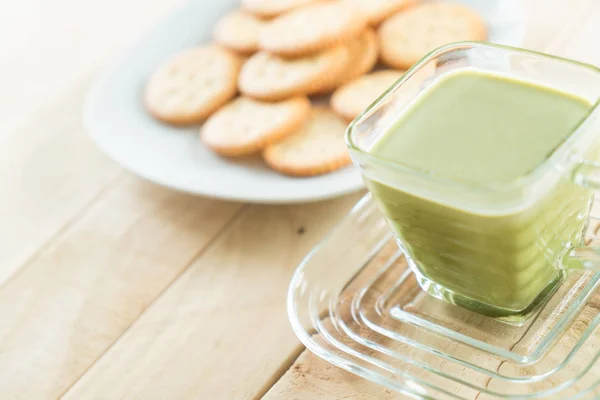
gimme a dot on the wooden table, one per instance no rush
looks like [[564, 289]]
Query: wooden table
[[114, 288]]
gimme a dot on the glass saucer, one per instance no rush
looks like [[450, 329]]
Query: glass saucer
[[354, 302]]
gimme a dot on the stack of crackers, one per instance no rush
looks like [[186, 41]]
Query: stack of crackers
[[251, 89]]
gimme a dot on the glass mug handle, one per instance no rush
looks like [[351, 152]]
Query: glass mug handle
[[586, 174]]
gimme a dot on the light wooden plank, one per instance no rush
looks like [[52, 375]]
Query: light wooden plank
[[220, 332], [49, 171], [69, 304], [314, 378]]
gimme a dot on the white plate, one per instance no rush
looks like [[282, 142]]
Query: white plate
[[175, 157]]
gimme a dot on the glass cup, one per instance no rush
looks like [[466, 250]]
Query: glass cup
[[496, 249]]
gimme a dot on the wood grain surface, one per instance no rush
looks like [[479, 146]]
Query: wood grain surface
[[114, 288]]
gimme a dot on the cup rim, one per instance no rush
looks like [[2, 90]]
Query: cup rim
[[524, 180]]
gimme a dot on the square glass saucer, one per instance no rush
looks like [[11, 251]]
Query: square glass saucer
[[354, 302]]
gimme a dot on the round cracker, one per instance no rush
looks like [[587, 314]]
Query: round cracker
[[311, 29], [409, 35], [363, 54], [273, 8], [192, 85], [246, 126], [378, 10], [238, 31], [353, 98], [317, 148], [269, 77], [363, 51]]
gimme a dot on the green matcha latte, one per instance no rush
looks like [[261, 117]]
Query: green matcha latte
[[475, 129]]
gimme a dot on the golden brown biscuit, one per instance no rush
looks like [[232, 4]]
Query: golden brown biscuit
[[317, 148], [268, 77], [378, 10], [363, 52], [273, 8], [354, 97], [192, 85], [407, 36], [246, 126], [311, 29], [238, 31]]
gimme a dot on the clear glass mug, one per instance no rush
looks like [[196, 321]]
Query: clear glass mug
[[498, 250]]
